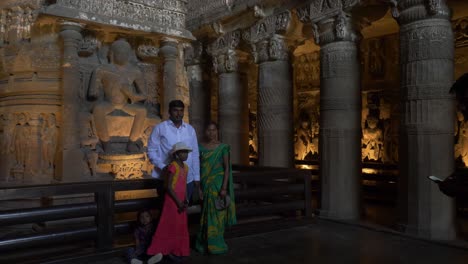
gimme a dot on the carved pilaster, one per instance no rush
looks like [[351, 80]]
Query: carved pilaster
[[70, 140], [169, 52]]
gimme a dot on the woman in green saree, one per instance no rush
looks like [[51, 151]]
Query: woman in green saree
[[216, 181]]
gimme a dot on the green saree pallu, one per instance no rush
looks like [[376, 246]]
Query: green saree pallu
[[210, 238]]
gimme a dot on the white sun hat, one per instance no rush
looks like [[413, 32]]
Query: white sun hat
[[180, 146]]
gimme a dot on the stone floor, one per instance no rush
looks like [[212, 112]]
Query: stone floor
[[329, 242]]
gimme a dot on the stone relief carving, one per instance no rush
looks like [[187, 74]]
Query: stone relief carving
[[21, 135], [114, 85], [376, 58], [223, 52], [16, 23], [306, 138], [164, 13], [322, 9], [128, 170], [372, 140], [193, 53], [267, 27], [147, 52], [307, 71], [379, 129], [49, 139], [224, 63], [253, 135], [460, 29], [197, 8], [461, 135]]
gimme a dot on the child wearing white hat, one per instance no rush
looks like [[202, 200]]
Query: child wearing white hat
[[171, 236]]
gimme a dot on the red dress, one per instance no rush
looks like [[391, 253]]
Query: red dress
[[172, 236]]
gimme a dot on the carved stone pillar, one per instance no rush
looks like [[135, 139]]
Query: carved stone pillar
[[233, 112], [69, 167], [274, 105], [169, 52], [340, 115], [428, 112], [199, 112]]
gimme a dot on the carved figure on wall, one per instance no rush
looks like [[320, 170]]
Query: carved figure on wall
[[372, 140], [461, 147], [8, 129], [461, 32], [377, 58], [303, 139], [49, 136], [21, 137], [3, 27], [253, 143], [118, 86]]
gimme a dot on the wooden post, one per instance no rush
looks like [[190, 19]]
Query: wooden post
[[105, 217]]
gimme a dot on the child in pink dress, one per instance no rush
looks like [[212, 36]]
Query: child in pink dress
[[172, 236]]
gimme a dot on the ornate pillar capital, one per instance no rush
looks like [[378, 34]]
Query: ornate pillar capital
[[193, 53], [407, 11], [169, 48], [272, 49], [330, 23], [223, 52], [71, 30], [266, 38]]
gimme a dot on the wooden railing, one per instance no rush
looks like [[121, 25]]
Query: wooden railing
[[265, 191]]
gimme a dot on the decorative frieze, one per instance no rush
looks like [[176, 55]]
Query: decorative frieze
[[165, 16], [16, 23]]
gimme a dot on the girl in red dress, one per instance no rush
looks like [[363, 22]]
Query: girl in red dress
[[172, 236]]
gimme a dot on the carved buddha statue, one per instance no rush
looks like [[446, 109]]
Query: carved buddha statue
[[118, 86]]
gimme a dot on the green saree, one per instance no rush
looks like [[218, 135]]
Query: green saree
[[210, 238]]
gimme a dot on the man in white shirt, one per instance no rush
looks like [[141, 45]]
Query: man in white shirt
[[163, 137]]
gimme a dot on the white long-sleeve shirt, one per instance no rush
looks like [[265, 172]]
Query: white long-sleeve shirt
[[160, 143]]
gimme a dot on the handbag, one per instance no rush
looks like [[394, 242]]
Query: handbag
[[221, 203]]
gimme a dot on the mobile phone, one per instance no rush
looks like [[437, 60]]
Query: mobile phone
[[435, 179]]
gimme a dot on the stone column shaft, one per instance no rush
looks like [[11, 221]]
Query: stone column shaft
[[274, 114], [67, 167], [199, 100], [428, 112], [199, 111], [340, 130], [233, 113], [169, 51], [275, 94], [233, 116]]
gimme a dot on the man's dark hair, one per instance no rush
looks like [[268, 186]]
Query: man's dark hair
[[176, 103]]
